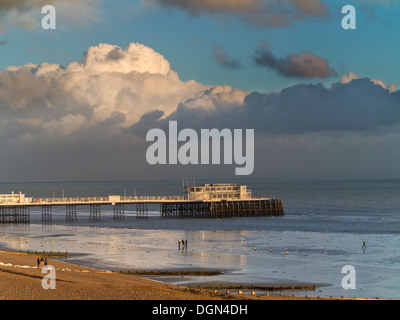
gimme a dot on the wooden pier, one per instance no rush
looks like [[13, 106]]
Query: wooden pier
[[16, 209], [224, 208]]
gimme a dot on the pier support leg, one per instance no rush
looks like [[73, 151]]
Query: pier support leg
[[142, 210], [23, 214], [119, 211], [14, 214], [94, 212], [46, 214], [71, 212]]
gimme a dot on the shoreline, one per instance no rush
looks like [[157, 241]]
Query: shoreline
[[129, 254], [22, 280]]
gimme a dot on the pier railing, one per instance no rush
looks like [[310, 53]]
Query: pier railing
[[108, 199]]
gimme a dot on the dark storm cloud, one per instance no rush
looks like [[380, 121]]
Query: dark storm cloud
[[303, 65], [357, 106]]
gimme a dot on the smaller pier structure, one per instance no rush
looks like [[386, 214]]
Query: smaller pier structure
[[222, 200], [206, 201]]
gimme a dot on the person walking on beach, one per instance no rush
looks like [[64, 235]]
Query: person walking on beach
[[45, 261], [179, 244], [38, 262]]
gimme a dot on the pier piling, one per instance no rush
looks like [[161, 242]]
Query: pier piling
[[46, 213], [119, 211], [94, 212], [71, 212], [14, 214], [142, 210]]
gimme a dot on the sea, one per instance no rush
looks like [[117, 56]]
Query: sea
[[340, 235]]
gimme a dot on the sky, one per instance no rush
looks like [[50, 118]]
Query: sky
[[77, 101]]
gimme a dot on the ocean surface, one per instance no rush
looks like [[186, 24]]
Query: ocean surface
[[325, 224]]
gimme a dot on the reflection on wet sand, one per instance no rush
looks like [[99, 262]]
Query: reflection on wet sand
[[243, 257]]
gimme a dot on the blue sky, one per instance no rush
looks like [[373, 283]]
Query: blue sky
[[371, 50], [323, 101]]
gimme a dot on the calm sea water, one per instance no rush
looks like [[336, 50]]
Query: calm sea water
[[325, 224]]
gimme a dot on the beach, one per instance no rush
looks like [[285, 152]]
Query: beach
[[21, 279]]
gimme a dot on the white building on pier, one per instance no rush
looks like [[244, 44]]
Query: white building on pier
[[215, 192], [13, 198]]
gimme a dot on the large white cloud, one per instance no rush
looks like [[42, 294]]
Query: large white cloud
[[110, 83]]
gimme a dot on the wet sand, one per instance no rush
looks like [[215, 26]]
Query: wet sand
[[21, 279]]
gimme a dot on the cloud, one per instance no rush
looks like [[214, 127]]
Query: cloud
[[65, 125], [89, 108], [89, 118], [20, 13], [256, 13], [346, 78], [224, 60], [349, 128], [27, 14], [109, 58], [304, 65], [109, 81], [356, 106]]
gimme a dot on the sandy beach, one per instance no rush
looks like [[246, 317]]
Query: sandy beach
[[21, 279]]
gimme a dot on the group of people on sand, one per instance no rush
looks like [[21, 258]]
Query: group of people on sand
[[39, 261], [184, 244]]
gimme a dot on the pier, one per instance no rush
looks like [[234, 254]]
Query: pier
[[224, 208], [207, 201]]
